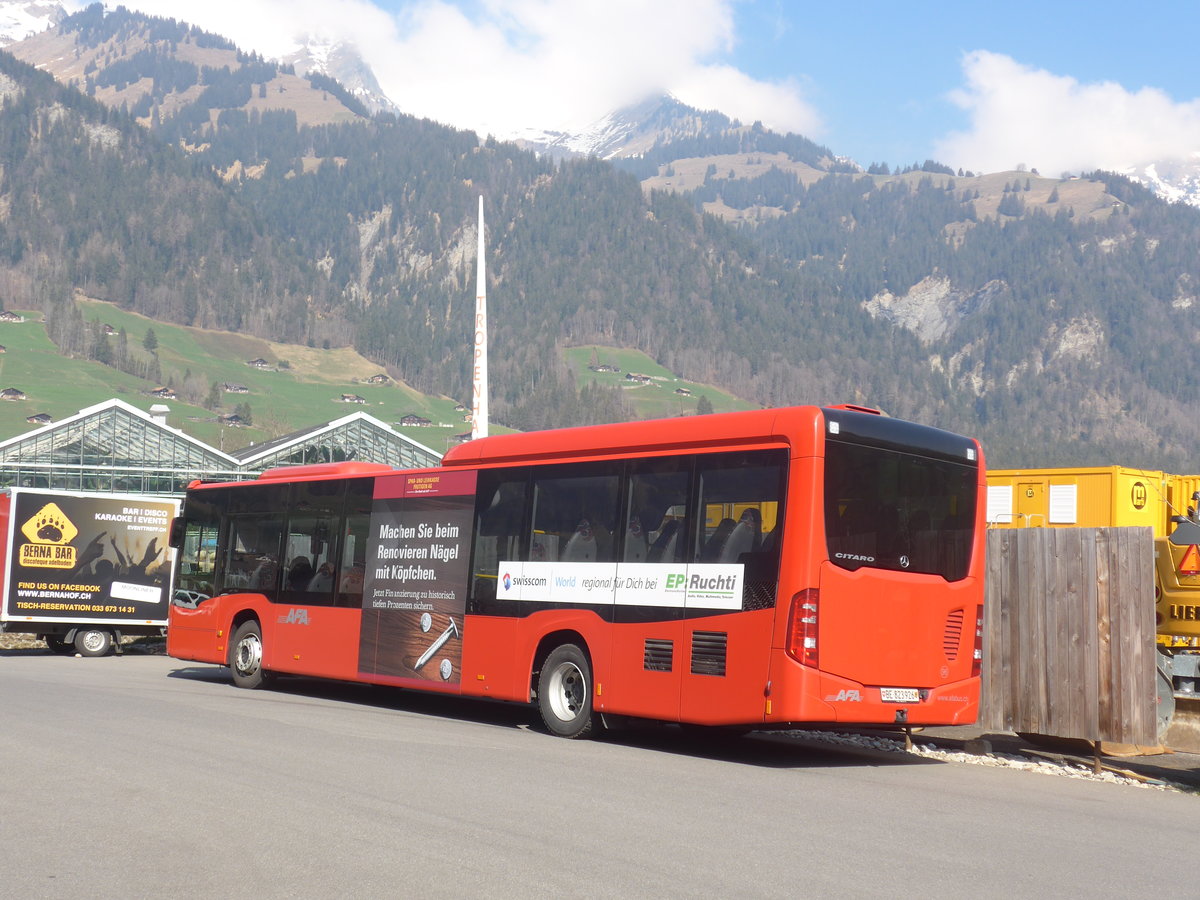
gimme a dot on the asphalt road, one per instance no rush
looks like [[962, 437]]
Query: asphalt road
[[143, 776]]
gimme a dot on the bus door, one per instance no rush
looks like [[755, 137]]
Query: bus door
[[318, 595], [732, 580]]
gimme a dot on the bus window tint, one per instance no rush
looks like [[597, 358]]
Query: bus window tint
[[899, 511], [352, 562], [499, 525], [657, 500], [574, 513]]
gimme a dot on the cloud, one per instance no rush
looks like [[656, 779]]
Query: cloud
[[501, 66], [1020, 114]]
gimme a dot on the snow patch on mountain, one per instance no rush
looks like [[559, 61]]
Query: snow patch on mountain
[[20, 19], [1175, 180]]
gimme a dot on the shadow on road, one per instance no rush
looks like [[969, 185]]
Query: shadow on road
[[760, 748]]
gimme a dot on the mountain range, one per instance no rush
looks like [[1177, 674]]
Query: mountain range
[[158, 167]]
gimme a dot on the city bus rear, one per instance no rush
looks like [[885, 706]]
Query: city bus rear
[[888, 628]]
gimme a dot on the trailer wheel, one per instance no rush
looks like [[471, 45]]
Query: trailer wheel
[[246, 655], [57, 644], [91, 641], [564, 693]]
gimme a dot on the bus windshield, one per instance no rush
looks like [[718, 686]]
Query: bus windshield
[[899, 509]]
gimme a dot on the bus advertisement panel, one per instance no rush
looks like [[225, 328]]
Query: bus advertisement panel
[[415, 590]]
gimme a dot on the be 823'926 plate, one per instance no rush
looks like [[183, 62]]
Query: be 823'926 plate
[[899, 695]]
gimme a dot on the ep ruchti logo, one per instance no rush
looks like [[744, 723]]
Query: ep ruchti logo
[[697, 582]]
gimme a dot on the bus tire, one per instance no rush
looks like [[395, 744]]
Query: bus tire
[[246, 656], [564, 693], [91, 641]]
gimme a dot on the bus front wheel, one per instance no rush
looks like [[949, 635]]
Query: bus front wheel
[[246, 656], [564, 693]]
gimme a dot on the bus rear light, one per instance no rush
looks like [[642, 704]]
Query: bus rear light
[[802, 631], [977, 653]]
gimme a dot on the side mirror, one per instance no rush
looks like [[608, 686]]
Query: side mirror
[[178, 529]]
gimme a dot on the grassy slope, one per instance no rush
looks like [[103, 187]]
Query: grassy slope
[[305, 393], [656, 400]]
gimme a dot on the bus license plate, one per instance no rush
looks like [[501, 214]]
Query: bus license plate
[[899, 695]]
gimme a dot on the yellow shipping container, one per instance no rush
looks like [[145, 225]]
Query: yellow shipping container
[[1099, 496]]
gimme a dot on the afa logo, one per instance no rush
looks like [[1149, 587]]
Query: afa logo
[[507, 582], [845, 697], [294, 617]]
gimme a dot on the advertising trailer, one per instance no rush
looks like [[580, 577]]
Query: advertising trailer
[[82, 570]]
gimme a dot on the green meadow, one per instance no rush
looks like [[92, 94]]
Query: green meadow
[[299, 387]]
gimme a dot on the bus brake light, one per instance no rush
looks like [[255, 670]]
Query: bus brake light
[[802, 635], [977, 654]]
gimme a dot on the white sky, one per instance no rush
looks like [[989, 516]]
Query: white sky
[[505, 66], [1022, 114]]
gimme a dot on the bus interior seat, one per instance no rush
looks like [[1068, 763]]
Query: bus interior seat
[[744, 538], [636, 546], [588, 543], [715, 545], [663, 548]]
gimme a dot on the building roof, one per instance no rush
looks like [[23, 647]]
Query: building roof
[[356, 436]]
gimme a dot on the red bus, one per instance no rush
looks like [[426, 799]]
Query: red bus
[[816, 565]]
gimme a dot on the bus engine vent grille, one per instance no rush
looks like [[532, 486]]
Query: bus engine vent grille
[[758, 595], [708, 652], [953, 634], [659, 655]]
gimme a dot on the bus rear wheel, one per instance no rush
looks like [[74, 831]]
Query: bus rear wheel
[[565, 692], [93, 642], [246, 656]]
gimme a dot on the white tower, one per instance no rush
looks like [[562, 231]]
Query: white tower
[[479, 402]]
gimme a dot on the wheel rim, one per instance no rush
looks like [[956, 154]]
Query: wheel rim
[[247, 656], [568, 691], [93, 641]]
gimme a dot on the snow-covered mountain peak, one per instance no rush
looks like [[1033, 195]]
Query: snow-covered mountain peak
[[320, 52]]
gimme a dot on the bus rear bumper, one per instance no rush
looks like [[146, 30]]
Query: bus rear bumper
[[810, 696]]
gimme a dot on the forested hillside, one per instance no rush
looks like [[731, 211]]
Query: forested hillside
[[202, 186]]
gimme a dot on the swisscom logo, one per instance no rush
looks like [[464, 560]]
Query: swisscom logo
[[523, 581]]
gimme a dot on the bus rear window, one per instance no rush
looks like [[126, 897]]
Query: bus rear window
[[890, 509]]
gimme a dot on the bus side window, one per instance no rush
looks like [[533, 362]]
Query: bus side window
[[253, 563], [575, 512], [657, 504], [499, 524], [741, 496]]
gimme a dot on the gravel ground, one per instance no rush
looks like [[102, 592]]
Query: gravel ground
[[1063, 767]]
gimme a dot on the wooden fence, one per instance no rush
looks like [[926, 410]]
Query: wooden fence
[[1069, 633]]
